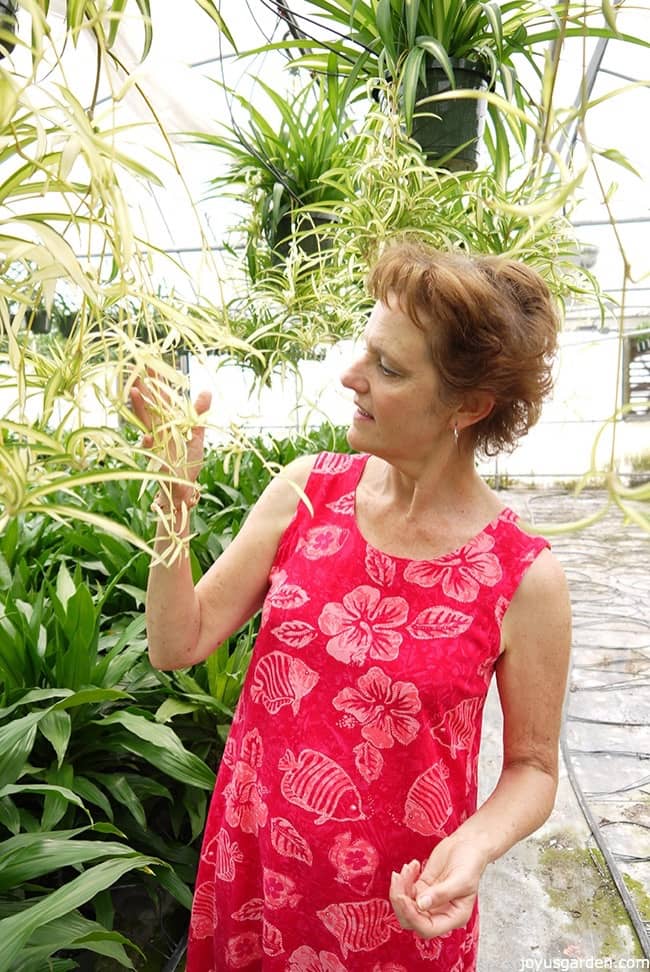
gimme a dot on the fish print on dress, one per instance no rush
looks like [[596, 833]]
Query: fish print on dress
[[360, 926], [204, 916], [223, 854], [428, 804], [317, 784], [353, 748], [457, 728], [280, 679]]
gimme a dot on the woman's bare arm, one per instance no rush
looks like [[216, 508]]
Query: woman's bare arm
[[186, 623]]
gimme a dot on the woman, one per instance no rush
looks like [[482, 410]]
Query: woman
[[343, 834]]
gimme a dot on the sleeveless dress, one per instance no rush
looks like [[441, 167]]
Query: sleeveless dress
[[354, 745]]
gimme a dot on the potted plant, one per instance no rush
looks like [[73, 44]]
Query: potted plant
[[8, 26], [281, 165], [429, 46]]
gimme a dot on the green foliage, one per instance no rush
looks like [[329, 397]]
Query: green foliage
[[106, 765]]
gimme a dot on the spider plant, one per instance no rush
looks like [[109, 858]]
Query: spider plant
[[280, 162], [375, 39]]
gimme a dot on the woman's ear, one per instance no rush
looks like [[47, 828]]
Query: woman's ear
[[475, 406]]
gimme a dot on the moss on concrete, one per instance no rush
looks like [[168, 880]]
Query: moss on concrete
[[639, 895], [580, 886]]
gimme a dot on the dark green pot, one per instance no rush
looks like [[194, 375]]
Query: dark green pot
[[452, 127], [8, 26], [308, 239]]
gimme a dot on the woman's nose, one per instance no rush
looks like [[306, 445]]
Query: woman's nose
[[354, 376]]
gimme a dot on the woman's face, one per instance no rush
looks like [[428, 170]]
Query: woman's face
[[396, 389]]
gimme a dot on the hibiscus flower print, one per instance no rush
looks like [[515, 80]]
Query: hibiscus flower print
[[384, 708], [460, 573], [245, 807], [364, 624]]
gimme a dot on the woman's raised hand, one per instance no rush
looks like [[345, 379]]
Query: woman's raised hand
[[152, 405]]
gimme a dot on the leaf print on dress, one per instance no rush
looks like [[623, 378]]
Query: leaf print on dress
[[317, 784], [280, 679], [439, 622], [384, 708], [282, 595], [458, 726], [331, 463], [344, 505], [305, 959], [429, 949], [243, 949], [428, 803], [296, 633], [252, 749], [279, 890], [368, 761], [272, 943], [204, 918], [461, 573], [360, 926], [245, 807], [322, 541], [379, 567], [355, 861], [251, 911], [288, 842], [363, 624], [224, 854]]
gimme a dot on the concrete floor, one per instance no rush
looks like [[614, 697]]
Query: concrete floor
[[551, 902]]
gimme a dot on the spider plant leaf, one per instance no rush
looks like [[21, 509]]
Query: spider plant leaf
[[436, 50], [609, 13], [410, 79], [213, 11], [614, 155], [412, 9], [384, 20], [115, 15], [493, 15]]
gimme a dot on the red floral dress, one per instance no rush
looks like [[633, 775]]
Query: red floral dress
[[354, 746]]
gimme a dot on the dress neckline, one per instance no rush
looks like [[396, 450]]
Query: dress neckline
[[505, 514]]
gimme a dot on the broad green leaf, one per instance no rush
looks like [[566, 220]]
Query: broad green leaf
[[72, 931], [180, 765], [45, 788], [16, 741], [56, 727], [65, 586], [172, 707], [40, 856], [17, 930]]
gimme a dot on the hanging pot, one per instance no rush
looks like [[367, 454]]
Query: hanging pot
[[8, 25], [450, 131], [305, 233]]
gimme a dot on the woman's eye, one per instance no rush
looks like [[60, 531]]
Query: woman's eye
[[386, 370]]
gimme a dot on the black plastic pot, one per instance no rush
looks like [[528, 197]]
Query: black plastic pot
[[307, 237], [451, 127], [8, 25]]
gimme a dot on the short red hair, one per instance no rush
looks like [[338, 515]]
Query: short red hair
[[492, 326]]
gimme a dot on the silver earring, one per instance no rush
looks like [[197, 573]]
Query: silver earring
[[456, 435]]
